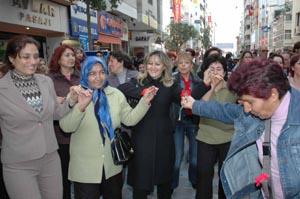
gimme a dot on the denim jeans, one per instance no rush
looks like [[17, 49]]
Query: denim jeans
[[185, 127]]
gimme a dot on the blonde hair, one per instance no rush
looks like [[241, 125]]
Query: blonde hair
[[185, 56], [166, 77]]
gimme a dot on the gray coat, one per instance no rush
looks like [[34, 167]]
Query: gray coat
[[27, 134]]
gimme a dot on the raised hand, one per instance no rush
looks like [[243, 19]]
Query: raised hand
[[74, 90], [149, 93], [84, 98]]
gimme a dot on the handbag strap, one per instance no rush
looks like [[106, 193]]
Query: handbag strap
[[267, 184]]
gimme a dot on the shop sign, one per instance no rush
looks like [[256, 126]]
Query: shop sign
[[152, 22], [145, 19], [142, 38], [79, 27], [79, 11], [35, 13], [110, 24]]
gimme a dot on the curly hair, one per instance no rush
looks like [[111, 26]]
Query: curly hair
[[257, 78]]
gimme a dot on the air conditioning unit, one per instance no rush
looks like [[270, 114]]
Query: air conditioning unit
[[297, 30]]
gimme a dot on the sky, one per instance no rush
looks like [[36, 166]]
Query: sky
[[227, 16]]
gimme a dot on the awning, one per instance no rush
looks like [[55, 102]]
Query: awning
[[109, 39]]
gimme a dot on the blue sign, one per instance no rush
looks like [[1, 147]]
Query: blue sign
[[110, 24], [84, 41], [79, 27]]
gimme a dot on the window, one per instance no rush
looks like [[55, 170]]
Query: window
[[150, 2], [298, 19], [288, 17], [288, 34]]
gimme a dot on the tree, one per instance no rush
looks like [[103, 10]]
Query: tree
[[96, 5], [179, 34], [205, 38]]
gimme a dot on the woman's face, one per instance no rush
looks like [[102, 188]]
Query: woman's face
[[296, 68], [261, 108], [26, 62], [184, 66], [97, 76], [79, 54], [247, 57], [115, 66], [279, 61], [155, 67], [216, 68], [67, 59]]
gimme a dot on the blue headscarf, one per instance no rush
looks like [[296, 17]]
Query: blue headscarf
[[102, 112]]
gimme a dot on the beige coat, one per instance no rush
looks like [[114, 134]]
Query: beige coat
[[88, 155], [28, 135]]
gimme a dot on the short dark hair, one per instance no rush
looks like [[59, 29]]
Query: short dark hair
[[257, 78], [296, 46], [206, 54], [120, 56], [212, 59], [15, 45]]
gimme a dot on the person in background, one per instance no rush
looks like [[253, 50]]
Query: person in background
[[263, 52], [64, 74], [213, 137], [186, 124], [209, 52], [245, 57], [42, 67], [141, 66], [265, 95], [192, 52], [287, 61], [152, 138], [100, 110], [121, 68], [100, 54], [80, 56], [278, 59], [296, 48], [229, 61], [28, 106], [173, 57], [295, 72]]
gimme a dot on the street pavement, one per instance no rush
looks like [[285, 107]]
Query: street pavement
[[185, 189]]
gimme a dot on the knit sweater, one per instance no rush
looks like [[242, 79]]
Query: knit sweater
[[30, 90]]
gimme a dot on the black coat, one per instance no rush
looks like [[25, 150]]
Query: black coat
[[152, 137]]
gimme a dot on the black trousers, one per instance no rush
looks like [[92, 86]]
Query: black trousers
[[64, 154], [110, 188], [163, 192], [207, 156]]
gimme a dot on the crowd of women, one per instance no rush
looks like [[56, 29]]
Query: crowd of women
[[57, 123]]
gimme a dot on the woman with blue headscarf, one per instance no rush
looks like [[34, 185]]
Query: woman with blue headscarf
[[91, 165]]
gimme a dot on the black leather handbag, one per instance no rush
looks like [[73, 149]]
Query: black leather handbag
[[121, 147]]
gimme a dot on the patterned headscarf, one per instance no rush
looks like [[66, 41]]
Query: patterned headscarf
[[102, 112]]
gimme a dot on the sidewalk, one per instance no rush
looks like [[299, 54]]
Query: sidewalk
[[184, 190]]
